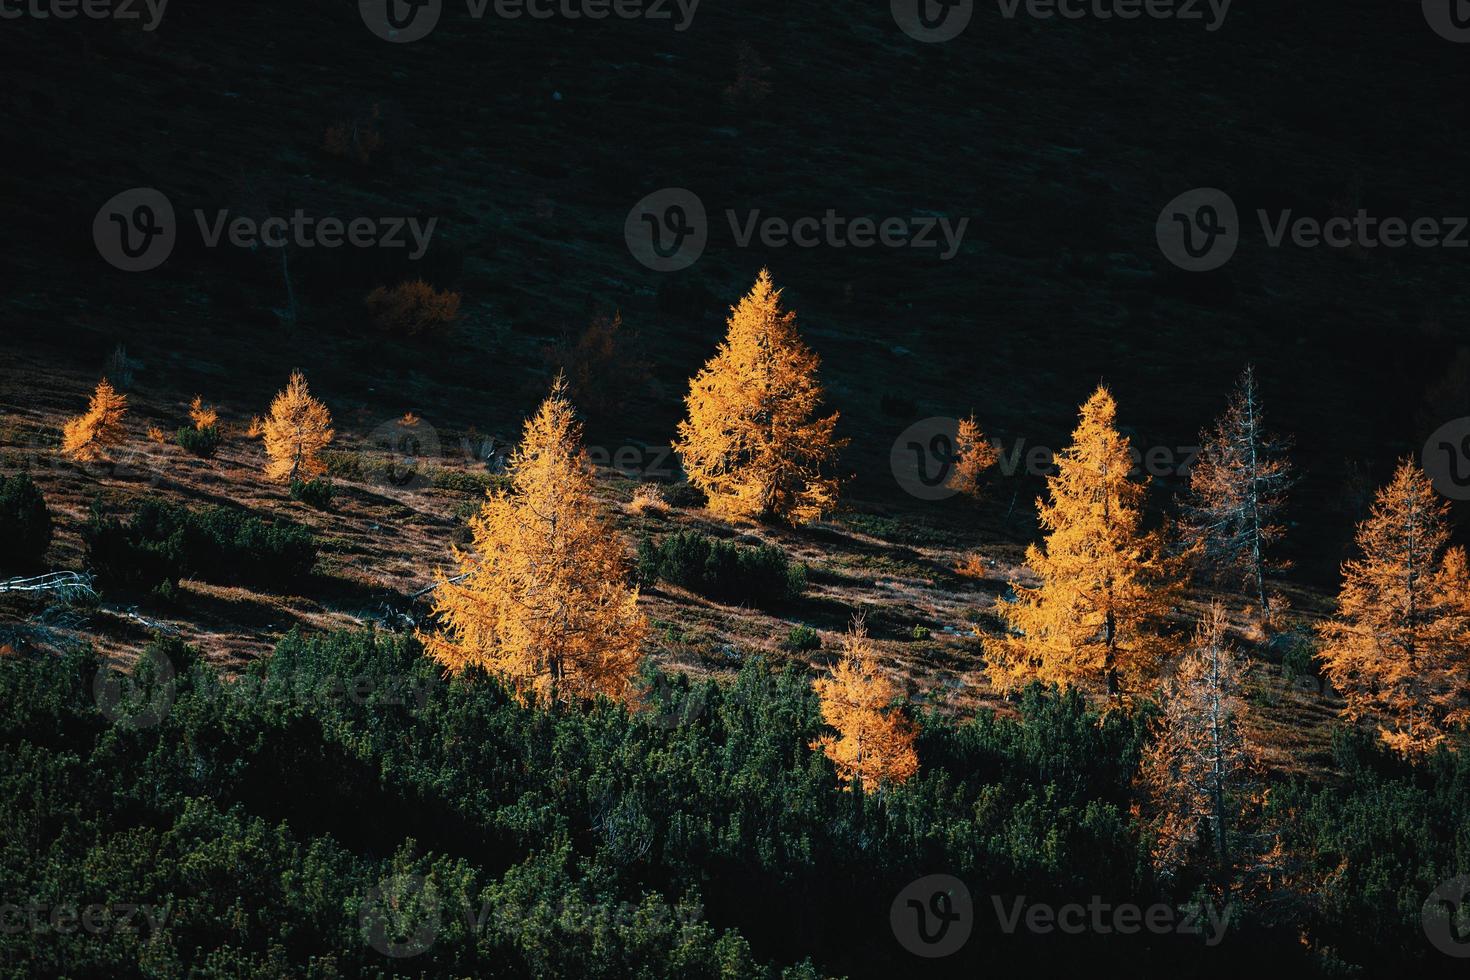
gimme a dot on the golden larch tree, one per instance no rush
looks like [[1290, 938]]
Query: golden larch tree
[[1105, 585], [874, 744], [753, 439], [1199, 771], [297, 429], [973, 455], [541, 599], [1398, 649], [86, 437], [1236, 492]]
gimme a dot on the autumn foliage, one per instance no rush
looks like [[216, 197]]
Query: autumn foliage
[[874, 744], [1105, 584], [89, 435], [973, 455], [543, 602], [1398, 649], [413, 309], [202, 415], [297, 429], [753, 439]]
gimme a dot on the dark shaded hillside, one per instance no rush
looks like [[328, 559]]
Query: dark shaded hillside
[[529, 140]]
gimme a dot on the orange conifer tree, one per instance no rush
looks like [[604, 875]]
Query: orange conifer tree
[[874, 744], [297, 429], [541, 600], [752, 439], [86, 437], [973, 455], [1105, 584], [1399, 647]]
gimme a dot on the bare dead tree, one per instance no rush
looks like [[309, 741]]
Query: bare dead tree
[[1236, 492]]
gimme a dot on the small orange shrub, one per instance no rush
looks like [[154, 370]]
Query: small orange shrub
[[202, 415]]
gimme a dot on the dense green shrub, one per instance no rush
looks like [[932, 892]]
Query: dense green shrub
[[802, 639], [25, 523], [163, 543], [721, 570], [1367, 851], [699, 836], [201, 442], [313, 493]]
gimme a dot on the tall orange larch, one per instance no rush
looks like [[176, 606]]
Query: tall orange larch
[[1398, 649], [754, 439], [1104, 585], [541, 598]]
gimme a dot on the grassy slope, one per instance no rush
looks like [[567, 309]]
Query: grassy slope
[[1059, 141]]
